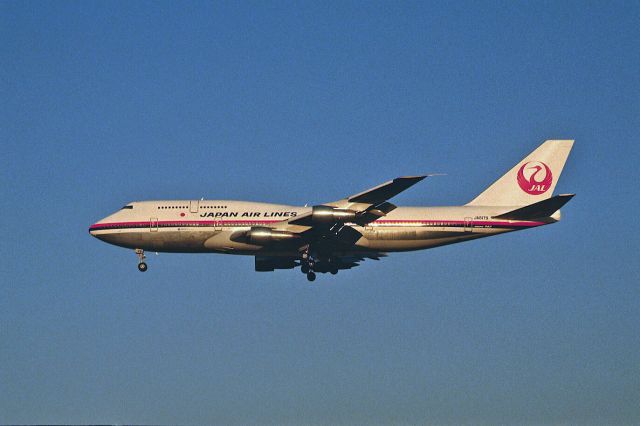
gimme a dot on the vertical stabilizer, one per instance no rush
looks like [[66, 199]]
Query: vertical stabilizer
[[531, 180]]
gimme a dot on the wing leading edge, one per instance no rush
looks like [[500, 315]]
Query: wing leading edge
[[386, 190]]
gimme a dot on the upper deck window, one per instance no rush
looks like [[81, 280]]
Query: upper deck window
[[126, 207]]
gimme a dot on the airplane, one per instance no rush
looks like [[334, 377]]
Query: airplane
[[339, 235]]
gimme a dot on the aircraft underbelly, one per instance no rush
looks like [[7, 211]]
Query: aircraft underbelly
[[391, 239], [387, 239], [162, 241]]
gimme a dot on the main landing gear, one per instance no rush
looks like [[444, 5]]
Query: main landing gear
[[142, 266], [310, 266], [307, 265], [310, 263]]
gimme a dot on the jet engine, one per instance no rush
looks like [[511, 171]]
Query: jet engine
[[328, 215], [260, 236]]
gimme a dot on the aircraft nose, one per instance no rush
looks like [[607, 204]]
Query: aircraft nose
[[103, 229], [92, 229]]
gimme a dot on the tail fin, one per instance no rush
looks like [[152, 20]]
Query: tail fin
[[531, 180]]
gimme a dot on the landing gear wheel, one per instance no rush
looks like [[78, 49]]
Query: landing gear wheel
[[311, 276], [141, 257], [334, 271], [305, 269]]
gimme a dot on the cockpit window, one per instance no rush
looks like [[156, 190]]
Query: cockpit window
[[126, 207]]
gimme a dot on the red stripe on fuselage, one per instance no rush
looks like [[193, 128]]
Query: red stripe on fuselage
[[178, 223]]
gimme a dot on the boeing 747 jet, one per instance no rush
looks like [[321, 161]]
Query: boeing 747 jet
[[338, 235]]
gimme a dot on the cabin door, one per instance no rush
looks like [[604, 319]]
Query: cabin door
[[193, 206]]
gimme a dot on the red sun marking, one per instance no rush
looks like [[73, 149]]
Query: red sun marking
[[182, 214], [535, 177]]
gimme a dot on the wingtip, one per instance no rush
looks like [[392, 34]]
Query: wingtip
[[420, 177], [416, 177]]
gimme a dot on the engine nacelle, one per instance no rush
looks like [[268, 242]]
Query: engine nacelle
[[328, 215], [260, 236]]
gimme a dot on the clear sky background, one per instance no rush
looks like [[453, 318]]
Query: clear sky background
[[106, 103]]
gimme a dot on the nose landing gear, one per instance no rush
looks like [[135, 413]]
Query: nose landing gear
[[142, 266]]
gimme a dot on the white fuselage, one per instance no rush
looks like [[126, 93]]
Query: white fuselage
[[201, 226]]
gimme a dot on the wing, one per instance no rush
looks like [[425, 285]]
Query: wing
[[268, 264], [348, 262], [360, 208], [328, 227], [382, 192]]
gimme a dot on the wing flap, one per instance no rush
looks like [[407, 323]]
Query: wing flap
[[271, 263]]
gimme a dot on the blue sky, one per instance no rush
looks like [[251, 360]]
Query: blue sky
[[306, 102]]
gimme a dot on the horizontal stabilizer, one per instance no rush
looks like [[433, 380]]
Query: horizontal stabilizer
[[544, 208]]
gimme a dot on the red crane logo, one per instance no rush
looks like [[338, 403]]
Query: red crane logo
[[535, 177]]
